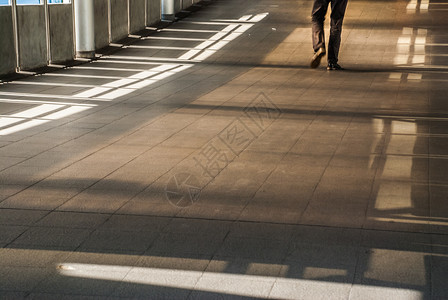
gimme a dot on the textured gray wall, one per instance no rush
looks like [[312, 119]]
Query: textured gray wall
[[187, 3], [119, 19], [7, 49], [32, 30], [61, 32], [137, 11], [154, 11], [177, 5], [32, 36], [101, 24]]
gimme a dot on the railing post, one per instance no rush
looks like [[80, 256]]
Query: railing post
[[84, 28], [47, 31], [16, 33], [168, 10]]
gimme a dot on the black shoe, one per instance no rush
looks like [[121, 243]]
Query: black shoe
[[315, 61], [334, 66]]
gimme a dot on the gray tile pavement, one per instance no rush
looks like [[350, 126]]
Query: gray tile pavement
[[207, 161]]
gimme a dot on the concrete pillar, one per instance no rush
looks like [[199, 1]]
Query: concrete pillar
[[168, 8], [16, 33], [84, 28]]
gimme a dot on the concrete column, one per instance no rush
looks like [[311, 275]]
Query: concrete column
[[168, 10], [84, 28], [47, 31], [15, 29]]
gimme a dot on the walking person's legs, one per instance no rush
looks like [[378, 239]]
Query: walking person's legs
[[317, 18], [337, 16]]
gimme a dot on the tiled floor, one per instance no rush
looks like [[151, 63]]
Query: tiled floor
[[207, 161]]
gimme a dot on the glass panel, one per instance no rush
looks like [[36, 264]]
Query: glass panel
[[5, 2], [24, 2]]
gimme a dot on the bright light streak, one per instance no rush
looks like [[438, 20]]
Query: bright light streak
[[79, 76], [114, 89], [414, 76], [219, 45], [46, 96], [182, 68], [258, 18], [66, 112], [420, 40], [411, 39], [5, 121], [403, 48], [164, 67], [231, 36], [109, 61], [43, 102], [157, 47], [218, 36], [188, 30], [123, 85], [23, 126], [399, 127], [142, 84], [235, 284], [244, 28], [143, 75], [245, 18], [120, 83], [411, 119], [395, 190], [418, 59], [422, 31], [407, 219], [393, 195], [204, 55], [419, 49], [40, 83], [230, 28], [412, 5], [404, 40], [163, 75], [37, 111], [401, 59], [109, 69], [41, 113], [395, 76], [189, 54], [205, 22], [204, 45], [407, 30], [116, 93], [172, 38], [92, 92], [155, 60]]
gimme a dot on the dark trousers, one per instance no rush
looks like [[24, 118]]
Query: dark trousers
[[337, 16]]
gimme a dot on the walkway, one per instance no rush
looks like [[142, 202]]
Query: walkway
[[207, 161]]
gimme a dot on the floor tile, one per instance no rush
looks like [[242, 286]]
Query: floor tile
[[334, 186]]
